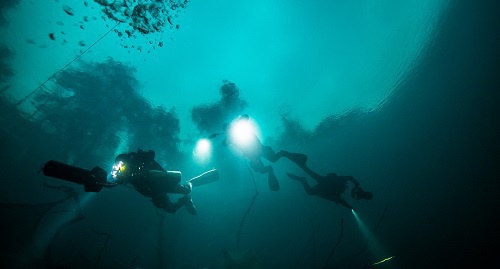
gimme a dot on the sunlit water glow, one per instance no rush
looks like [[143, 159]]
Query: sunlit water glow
[[336, 55]]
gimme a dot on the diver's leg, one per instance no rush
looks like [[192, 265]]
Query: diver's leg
[[270, 155], [163, 202], [298, 158], [311, 191], [318, 178], [272, 181], [182, 188]]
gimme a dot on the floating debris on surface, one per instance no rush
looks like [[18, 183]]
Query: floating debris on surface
[[82, 43]]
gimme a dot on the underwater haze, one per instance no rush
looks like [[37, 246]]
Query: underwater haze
[[400, 97]]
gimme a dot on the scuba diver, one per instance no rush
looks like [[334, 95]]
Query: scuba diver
[[331, 186], [254, 151], [141, 170]]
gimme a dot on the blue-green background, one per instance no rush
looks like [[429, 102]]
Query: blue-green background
[[402, 96]]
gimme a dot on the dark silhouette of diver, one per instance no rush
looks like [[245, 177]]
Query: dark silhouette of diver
[[331, 186], [254, 151], [141, 170], [150, 179]]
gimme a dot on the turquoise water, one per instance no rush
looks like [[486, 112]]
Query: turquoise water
[[401, 96]]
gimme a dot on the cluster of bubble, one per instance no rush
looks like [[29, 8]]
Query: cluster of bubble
[[147, 19], [145, 16]]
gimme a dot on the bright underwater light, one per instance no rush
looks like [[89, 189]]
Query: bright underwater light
[[242, 132], [203, 149]]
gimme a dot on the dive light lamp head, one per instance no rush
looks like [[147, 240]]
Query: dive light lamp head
[[118, 169]]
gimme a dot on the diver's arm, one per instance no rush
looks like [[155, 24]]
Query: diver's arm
[[353, 180], [344, 203]]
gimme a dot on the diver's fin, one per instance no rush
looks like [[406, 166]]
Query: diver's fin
[[273, 182], [205, 178]]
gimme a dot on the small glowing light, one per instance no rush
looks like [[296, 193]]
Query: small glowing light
[[242, 133], [203, 149], [384, 260]]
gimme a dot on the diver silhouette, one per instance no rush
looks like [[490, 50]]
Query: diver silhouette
[[331, 186], [142, 171], [150, 179], [254, 151]]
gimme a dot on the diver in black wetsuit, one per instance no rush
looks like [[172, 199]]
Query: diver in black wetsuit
[[331, 186], [150, 179], [141, 171]]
